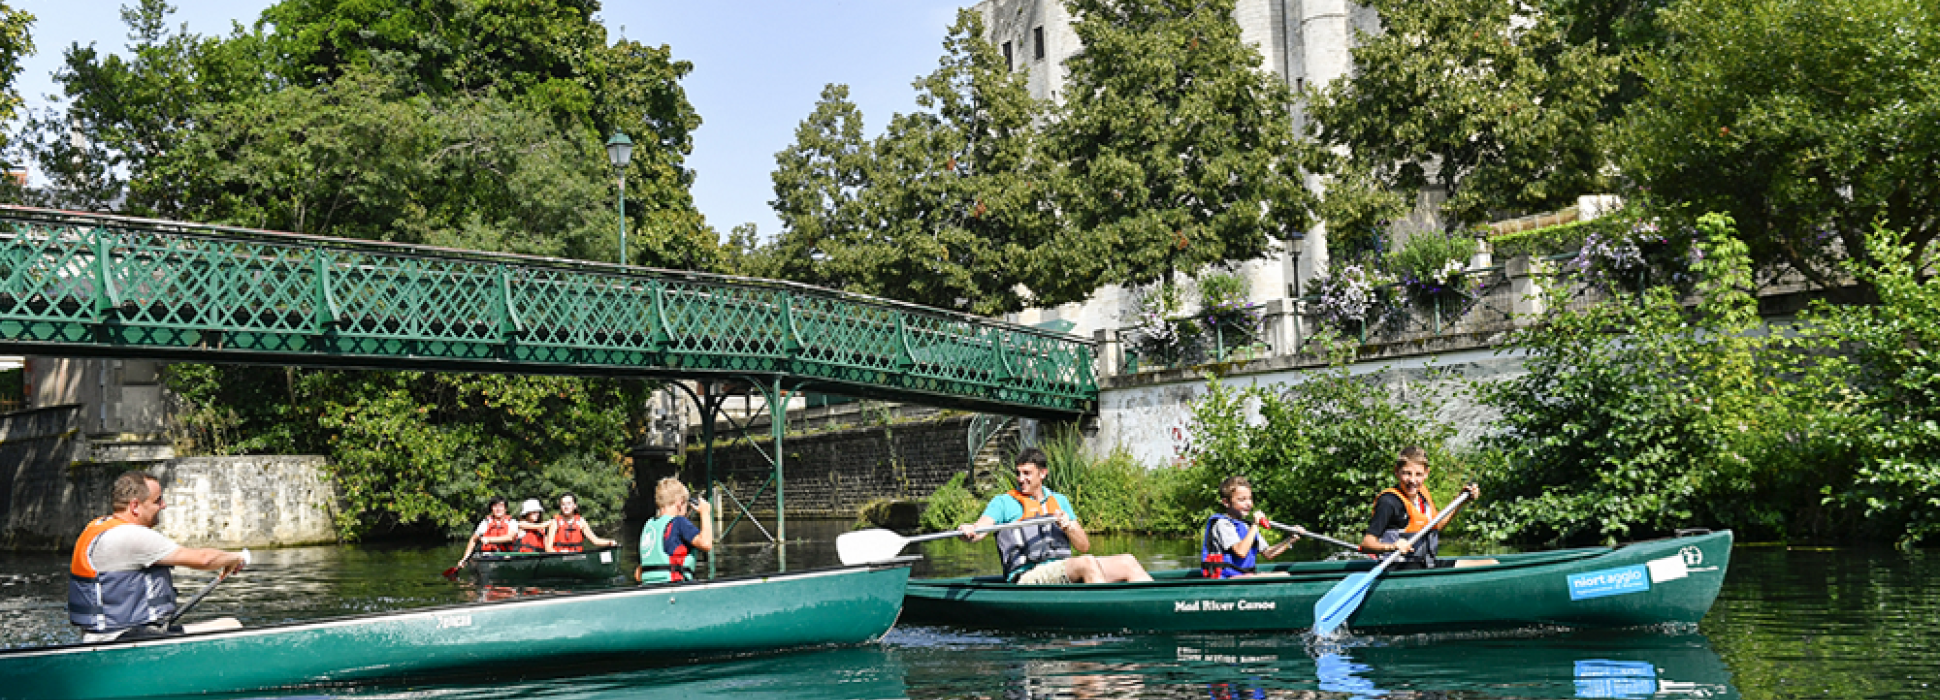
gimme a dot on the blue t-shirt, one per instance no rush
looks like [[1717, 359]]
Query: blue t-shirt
[[1005, 509]]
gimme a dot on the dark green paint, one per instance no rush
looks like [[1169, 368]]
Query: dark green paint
[[1523, 590]]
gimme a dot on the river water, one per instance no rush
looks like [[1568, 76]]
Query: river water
[[1790, 623]]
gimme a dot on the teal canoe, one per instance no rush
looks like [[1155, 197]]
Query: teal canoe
[[498, 568], [1645, 583], [546, 635]]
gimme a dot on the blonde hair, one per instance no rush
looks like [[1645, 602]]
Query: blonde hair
[[669, 492]]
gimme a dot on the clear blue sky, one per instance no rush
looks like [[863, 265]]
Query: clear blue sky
[[758, 68]]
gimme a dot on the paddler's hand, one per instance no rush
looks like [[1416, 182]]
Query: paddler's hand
[[969, 532], [1474, 492], [1066, 522]]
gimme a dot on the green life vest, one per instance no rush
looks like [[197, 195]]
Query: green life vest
[[655, 565]]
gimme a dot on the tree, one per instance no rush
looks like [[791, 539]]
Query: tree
[[942, 209], [1475, 97], [1173, 151], [818, 183], [1807, 122], [956, 196], [16, 42]]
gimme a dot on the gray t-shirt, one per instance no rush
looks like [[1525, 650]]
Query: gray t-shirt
[[129, 548], [1225, 536]]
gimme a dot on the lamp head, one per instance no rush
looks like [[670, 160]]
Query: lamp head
[[619, 149]]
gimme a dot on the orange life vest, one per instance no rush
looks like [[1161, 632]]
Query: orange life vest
[[103, 601], [568, 535], [497, 527], [1019, 549], [532, 540], [1417, 518]]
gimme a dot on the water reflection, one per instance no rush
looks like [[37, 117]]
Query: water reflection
[[1546, 664]]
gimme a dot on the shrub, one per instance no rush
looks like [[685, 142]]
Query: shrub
[[1317, 452], [950, 505], [1432, 263]]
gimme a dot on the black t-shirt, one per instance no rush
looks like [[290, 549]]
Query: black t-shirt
[[1389, 514]]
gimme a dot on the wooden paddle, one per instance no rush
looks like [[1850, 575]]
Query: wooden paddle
[[1303, 532], [865, 546], [1335, 607], [199, 595]]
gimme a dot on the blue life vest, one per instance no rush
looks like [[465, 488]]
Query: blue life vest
[[1021, 548], [1221, 563], [105, 601]]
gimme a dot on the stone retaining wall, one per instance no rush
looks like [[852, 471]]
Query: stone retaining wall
[[51, 489], [832, 474]]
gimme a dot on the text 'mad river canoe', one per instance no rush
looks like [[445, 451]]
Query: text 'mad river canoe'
[[602, 564], [539, 635], [1645, 583]]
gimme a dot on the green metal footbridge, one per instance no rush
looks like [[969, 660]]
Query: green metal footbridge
[[78, 284]]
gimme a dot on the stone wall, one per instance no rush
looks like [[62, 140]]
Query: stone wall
[[832, 474], [52, 488]]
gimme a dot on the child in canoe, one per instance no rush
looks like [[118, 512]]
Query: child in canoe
[[1404, 510], [1230, 546]]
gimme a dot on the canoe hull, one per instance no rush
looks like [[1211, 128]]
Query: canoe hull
[[527, 637], [1647, 583], [592, 565]]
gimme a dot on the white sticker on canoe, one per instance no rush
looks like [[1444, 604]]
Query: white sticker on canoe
[[449, 621], [1179, 606], [1669, 568], [606, 557]]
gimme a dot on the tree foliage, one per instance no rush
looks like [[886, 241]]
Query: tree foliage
[[1174, 149], [942, 209], [464, 123], [1807, 122], [1492, 105], [16, 42]]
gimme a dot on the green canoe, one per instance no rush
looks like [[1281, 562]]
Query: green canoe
[[1646, 583], [524, 567], [547, 635]]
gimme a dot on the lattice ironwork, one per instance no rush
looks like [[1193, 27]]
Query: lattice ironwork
[[104, 285]]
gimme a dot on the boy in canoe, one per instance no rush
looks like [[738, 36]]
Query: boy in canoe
[[669, 540], [1404, 510], [1041, 554], [1230, 546]]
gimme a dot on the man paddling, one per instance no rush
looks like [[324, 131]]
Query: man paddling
[[1041, 554], [1401, 511], [120, 579]]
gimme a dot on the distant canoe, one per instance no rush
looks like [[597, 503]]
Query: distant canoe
[[1646, 583], [551, 634], [526, 567]]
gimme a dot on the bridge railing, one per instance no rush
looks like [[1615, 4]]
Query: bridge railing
[[107, 284]]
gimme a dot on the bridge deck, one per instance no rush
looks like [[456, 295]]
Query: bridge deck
[[99, 285]]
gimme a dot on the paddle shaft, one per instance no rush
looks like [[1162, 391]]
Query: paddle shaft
[[199, 595], [1027, 522], [1303, 532]]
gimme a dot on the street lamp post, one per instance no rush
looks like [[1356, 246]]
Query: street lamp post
[[619, 150]]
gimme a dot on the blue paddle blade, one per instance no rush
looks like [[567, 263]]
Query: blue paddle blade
[[1333, 609]]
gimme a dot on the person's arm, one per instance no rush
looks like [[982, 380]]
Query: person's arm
[[1384, 513], [1068, 521], [995, 512], [705, 541], [550, 532], [204, 559], [1278, 549], [595, 539], [1245, 544], [970, 531], [469, 546]]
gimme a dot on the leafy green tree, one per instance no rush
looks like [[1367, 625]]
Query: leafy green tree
[[16, 42], [1489, 104], [818, 184], [1173, 150], [1887, 380], [1807, 122]]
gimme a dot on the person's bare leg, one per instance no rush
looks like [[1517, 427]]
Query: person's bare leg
[[1082, 569], [1122, 567]]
